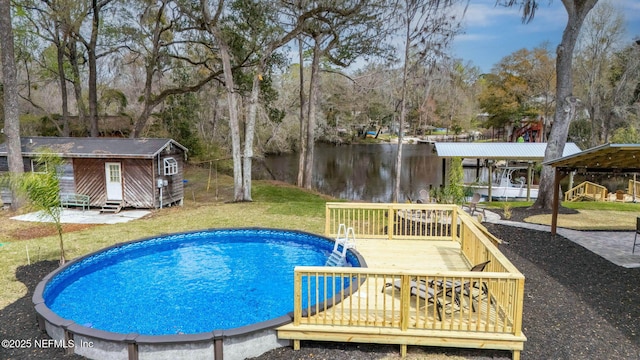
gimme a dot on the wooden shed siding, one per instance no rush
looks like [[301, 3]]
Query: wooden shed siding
[[173, 193], [90, 179], [138, 183], [176, 186]]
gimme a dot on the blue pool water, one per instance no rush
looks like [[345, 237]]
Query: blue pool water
[[190, 283]]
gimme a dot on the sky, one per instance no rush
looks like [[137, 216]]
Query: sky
[[491, 32]]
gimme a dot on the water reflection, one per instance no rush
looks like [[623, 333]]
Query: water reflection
[[361, 172]]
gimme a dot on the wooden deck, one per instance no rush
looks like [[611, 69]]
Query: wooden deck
[[486, 316], [405, 256], [410, 255]]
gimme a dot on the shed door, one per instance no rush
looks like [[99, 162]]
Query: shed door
[[113, 173]]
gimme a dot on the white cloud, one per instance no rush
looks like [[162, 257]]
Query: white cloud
[[476, 37], [485, 13]]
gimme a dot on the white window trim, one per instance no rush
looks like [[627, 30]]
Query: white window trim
[[170, 166]]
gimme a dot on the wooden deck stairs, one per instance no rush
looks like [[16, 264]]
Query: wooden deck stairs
[[586, 191], [112, 207]]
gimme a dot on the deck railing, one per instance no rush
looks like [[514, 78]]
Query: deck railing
[[393, 221], [479, 302], [631, 191], [466, 309]]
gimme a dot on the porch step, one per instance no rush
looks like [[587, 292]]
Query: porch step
[[112, 207]]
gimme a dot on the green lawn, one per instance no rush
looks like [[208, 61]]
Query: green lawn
[[592, 215]]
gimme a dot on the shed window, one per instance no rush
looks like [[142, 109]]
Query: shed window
[[170, 166]]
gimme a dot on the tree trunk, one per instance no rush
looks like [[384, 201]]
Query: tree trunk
[[10, 87], [63, 258], [93, 70], [577, 11], [314, 89], [303, 123], [141, 121], [403, 114], [60, 46], [77, 83], [234, 123], [152, 63], [149, 104], [593, 137], [249, 132]]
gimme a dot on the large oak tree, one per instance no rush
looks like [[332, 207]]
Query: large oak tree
[[577, 11]]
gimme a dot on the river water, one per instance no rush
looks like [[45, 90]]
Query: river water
[[362, 172], [366, 172]]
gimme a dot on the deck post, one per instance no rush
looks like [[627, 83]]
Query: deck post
[[529, 180], [390, 222], [454, 224], [297, 298], [405, 299], [403, 350], [489, 195], [516, 354], [556, 200], [327, 221]]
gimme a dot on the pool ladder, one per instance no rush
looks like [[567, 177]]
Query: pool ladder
[[345, 240]]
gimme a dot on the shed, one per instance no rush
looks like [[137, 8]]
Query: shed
[[134, 173], [613, 158]]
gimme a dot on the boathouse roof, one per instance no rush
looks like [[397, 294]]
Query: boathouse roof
[[499, 150]]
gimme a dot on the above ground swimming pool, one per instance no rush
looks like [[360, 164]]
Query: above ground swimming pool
[[188, 283]]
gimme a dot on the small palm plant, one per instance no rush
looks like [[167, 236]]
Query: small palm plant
[[42, 191], [506, 210]]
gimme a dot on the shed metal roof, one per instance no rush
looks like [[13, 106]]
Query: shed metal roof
[[86, 147], [604, 158], [499, 151]]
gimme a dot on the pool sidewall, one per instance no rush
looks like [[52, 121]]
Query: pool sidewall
[[99, 344]]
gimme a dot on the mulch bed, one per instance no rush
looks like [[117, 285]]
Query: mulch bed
[[577, 305]]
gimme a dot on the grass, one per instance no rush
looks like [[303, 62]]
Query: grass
[[590, 220], [592, 215]]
